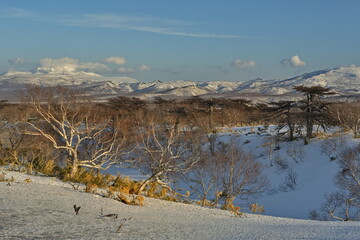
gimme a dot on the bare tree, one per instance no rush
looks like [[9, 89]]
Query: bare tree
[[166, 149], [239, 173], [348, 116], [344, 205], [349, 176], [202, 179], [88, 138]]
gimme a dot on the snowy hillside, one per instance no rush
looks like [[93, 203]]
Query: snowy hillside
[[344, 80], [43, 208], [312, 168]]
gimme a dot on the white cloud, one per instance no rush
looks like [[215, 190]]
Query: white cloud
[[126, 70], [61, 64], [144, 68], [115, 60], [70, 65], [294, 61], [238, 63]]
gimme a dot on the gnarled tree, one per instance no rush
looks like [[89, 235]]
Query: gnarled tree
[[87, 136]]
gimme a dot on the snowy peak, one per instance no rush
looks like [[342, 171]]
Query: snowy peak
[[343, 80]]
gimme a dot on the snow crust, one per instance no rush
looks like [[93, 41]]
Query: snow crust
[[43, 209]]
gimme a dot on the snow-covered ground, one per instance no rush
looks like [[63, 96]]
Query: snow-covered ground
[[314, 170], [43, 209]]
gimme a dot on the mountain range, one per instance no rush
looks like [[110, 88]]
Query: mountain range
[[344, 81]]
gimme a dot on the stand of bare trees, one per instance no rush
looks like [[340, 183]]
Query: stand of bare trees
[[348, 116], [228, 173]]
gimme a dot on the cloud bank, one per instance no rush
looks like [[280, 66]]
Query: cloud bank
[[294, 61], [68, 65], [71, 65]]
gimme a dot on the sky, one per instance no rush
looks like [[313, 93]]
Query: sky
[[202, 40]]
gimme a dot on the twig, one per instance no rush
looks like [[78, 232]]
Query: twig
[[113, 216], [118, 230], [75, 185]]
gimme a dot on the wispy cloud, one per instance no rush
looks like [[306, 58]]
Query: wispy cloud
[[125, 70], [121, 22], [139, 23], [144, 68], [15, 13]]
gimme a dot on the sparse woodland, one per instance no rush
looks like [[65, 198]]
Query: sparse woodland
[[60, 132]]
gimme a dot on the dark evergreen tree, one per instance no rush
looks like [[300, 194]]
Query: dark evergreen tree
[[314, 110]]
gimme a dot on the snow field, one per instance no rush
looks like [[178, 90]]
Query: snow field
[[43, 209]]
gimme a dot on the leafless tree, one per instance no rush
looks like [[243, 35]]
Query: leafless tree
[[202, 179], [348, 116], [239, 173], [166, 149], [89, 138], [344, 205], [349, 176], [340, 206]]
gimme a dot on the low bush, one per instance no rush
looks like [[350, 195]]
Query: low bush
[[256, 208]]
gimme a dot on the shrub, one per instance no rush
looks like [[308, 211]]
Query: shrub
[[333, 147], [256, 208], [290, 181], [91, 188], [28, 180], [3, 178], [295, 151], [88, 177], [280, 162], [131, 199]]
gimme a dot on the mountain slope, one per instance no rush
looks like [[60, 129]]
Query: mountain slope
[[345, 81]]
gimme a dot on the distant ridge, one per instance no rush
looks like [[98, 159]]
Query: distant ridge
[[345, 81]]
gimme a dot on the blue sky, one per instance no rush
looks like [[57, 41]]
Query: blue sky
[[203, 40]]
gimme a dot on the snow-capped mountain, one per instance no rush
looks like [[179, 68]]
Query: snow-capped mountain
[[345, 81]]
